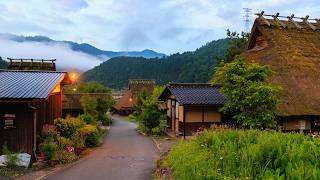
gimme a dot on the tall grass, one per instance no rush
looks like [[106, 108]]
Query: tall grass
[[251, 154]]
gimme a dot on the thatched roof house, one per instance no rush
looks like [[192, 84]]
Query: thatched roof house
[[125, 105], [291, 47]]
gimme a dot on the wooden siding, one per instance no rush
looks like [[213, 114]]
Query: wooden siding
[[181, 114], [202, 114], [303, 124], [19, 138]]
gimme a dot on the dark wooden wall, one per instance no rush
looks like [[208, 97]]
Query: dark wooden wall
[[19, 138], [48, 111]]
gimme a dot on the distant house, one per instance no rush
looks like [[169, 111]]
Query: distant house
[[71, 102], [291, 47], [192, 106], [125, 105], [28, 101]]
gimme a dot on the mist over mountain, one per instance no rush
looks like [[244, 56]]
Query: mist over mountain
[[84, 47]]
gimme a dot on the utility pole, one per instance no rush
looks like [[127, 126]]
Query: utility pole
[[247, 12]]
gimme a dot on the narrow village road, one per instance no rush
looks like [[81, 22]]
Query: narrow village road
[[125, 155]]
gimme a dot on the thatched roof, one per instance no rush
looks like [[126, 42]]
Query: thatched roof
[[128, 100], [292, 50], [137, 85]]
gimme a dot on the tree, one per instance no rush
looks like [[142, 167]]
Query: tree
[[88, 87], [3, 63], [150, 119], [251, 100], [238, 44]]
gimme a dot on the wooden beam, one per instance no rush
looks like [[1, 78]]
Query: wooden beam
[[184, 123], [318, 21], [290, 18], [260, 16], [275, 17], [305, 20], [202, 113]]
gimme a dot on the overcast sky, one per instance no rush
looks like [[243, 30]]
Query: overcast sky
[[167, 26]]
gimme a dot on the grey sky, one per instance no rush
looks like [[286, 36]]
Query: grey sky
[[167, 26]]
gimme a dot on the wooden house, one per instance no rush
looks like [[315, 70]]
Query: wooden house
[[192, 106], [290, 46], [28, 101], [125, 105]]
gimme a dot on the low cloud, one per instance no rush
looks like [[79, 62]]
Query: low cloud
[[67, 59]]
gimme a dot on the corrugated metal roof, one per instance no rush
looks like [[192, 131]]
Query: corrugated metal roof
[[28, 84], [197, 94]]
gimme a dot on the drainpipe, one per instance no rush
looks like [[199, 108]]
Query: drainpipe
[[34, 128], [184, 123]]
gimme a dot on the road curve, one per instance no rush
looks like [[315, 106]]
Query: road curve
[[125, 155]]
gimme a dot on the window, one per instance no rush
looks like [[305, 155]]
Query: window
[[9, 121]]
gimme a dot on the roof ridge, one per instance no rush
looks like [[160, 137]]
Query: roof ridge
[[37, 71]]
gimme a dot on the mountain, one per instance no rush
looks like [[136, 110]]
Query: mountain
[[195, 66], [85, 48]]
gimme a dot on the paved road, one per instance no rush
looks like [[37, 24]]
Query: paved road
[[124, 155]]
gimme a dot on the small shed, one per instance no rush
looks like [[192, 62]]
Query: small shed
[[290, 46], [28, 100], [192, 106], [125, 105]]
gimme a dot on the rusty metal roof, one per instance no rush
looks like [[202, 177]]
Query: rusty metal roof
[[28, 84], [194, 94]]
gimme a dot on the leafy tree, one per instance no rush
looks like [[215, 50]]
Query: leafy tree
[[3, 64], [87, 87], [251, 100], [238, 44], [89, 105], [151, 120]]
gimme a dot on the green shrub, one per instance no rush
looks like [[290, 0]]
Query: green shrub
[[239, 154], [77, 141], [92, 139], [105, 119], [50, 150], [68, 126], [11, 157], [160, 130], [90, 134], [65, 157], [88, 119], [62, 142]]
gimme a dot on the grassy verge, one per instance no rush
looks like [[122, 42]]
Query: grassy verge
[[238, 154]]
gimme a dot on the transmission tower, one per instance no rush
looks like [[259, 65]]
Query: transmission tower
[[247, 12]]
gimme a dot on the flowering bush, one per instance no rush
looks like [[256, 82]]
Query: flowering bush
[[67, 127], [49, 130]]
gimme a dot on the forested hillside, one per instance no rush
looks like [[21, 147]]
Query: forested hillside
[[196, 66]]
